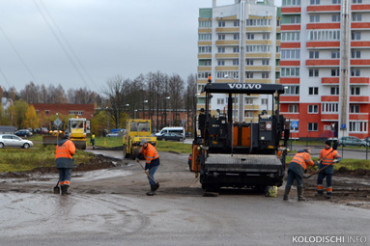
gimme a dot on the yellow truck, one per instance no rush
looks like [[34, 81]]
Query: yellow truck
[[77, 129], [137, 131]]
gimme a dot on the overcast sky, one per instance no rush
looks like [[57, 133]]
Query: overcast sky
[[84, 43]]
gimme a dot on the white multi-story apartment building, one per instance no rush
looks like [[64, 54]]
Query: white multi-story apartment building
[[325, 67], [237, 43]]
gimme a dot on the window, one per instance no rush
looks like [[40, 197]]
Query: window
[[355, 108], [205, 62], [316, 2], [248, 114], [293, 108], [313, 72], [358, 126], [221, 36], [335, 72], [313, 90], [258, 22], [205, 36], [248, 101], [265, 75], [221, 23], [314, 54], [291, 89], [236, 36], [265, 62], [356, 35], [235, 62], [356, 17], [312, 127], [313, 109], [236, 23], [204, 49], [289, 72], [289, 54], [249, 62], [356, 1], [335, 18], [236, 49], [314, 18], [294, 19], [227, 74], [335, 54], [47, 112], [266, 36], [264, 101], [356, 54], [290, 36], [334, 90], [200, 87], [250, 36], [203, 75], [221, 49], [329, 108], [257, 48], [336, 1], [355, 91], [355, 72], [221, 62], [323, 35], [220, 101], [291, 2], [205, 23], [249, 75]]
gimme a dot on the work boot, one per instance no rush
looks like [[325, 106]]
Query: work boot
[[286, 193], [300, 194], [150, 193], [65, 190], [328, 195], [155, 187]]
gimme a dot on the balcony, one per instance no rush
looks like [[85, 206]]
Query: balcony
[[227, 30], [359, 80], [329, 98], [290, 10], [360, 62], [290, 45], [258, 68], [359, 99], [322, 63], [330, 80], [360, 25], [289, 99], [323, 8], [258, 29], [204, 56], [290, 27], [321, 44], [227, 55], [290, 63], [227, 42], [289, 80], [360, 7], [329, 117], [362, 44], [323, 26], [359, 116]]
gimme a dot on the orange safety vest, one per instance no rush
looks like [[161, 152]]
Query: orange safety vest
[[303, 159], [327, 156], [150, 153], [66, 150]]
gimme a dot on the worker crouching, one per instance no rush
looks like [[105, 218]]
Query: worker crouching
[[295, 172], [151, 164], [64, 161]]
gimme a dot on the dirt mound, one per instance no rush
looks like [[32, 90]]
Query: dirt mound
[[355, 173], [99, 162]]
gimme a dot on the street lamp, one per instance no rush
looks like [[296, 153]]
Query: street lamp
[[135, 113], [165, 110], [145, 101]]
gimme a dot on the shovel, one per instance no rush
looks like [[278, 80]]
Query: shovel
[[56, 188], [146, 172]]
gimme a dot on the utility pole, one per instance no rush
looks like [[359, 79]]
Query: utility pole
[[242, 57], [344, 67]]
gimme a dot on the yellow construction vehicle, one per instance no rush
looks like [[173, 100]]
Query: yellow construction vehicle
[[77, 130], [137, 131]]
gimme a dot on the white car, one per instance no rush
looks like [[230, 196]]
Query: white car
[[10, 140]]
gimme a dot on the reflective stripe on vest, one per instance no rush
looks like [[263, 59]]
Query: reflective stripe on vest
[[327, 156], [301, 158], [150, 153], [65, 151]]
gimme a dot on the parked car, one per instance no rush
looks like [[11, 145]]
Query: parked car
[[10, 140], [23, 133], [115, 134], [170, 137], [41, 130], [352, 141]]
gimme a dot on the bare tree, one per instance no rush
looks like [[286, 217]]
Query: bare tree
[[190, 99], [176, 87], [115, 94]]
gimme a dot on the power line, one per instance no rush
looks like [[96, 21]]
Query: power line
[[5, 78], [18, 54], [60, 42]]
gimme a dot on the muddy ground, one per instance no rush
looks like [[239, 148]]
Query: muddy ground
[[112, 176]]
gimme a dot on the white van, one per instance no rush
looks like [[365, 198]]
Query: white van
[[176, 129]]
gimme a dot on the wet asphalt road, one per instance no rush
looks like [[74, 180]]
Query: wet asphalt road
[[116, 219]]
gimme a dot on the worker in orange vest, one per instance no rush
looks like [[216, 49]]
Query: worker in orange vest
[[295, 172], [328, 157], [151, 163], [64, 160]]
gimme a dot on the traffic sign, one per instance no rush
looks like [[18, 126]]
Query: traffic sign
[[343, 126], [57, 122]]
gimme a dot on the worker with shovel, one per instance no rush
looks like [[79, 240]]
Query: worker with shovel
[[328, 157], [64, 159], [151, 166], [295, 172]]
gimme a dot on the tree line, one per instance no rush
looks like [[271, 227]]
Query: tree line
[[121, 98]]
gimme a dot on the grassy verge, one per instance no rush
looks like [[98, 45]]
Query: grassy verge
[[107, 142], [13, 160], [177, 147]]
